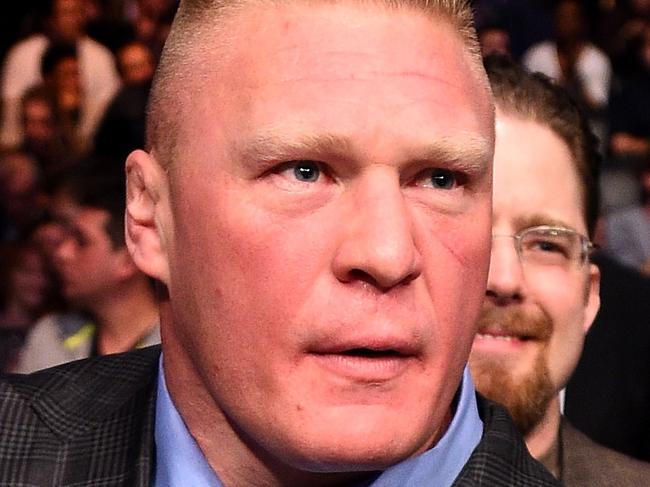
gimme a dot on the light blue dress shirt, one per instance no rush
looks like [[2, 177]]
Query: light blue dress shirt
[[180, 462]]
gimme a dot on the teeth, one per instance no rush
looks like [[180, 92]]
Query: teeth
[[503, 338]]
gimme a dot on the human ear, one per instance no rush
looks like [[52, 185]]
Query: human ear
[[147, 214], [592, 304]]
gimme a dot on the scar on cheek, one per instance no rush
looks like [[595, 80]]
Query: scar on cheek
[[463, 258]]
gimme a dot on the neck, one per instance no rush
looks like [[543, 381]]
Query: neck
[[541, 439], [125, 317], [236, 458]]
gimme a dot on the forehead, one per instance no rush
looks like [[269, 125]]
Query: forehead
[[66, 6], [302, 64], [132, 50], [535, 179]]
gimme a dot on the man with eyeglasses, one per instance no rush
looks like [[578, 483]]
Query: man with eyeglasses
[[543, 291]]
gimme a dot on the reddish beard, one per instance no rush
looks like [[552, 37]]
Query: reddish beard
[[526, 398]]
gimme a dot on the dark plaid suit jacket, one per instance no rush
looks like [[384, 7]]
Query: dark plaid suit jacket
[[90, 423]]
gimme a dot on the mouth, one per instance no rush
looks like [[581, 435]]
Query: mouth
[[504, 336], [367, 364], [502, 341]]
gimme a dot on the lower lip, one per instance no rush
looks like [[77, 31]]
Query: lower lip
[[364, 369]]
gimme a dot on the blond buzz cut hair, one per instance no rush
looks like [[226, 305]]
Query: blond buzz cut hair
[[195, 18]]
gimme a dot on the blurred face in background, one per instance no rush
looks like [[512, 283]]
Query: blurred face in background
[[495, 41], [641, 7], [30, 280], [67, 22], [87, 263], [19, 188], [38, 123], [569, 20], [539, 303], [136, 64]]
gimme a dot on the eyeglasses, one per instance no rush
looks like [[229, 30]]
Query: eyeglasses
[[547, 246]]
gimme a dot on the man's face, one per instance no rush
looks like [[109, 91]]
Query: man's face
[[66, 75], [136, 64], [328, 235], [67, 21], [495, 42], [534, 318], [38, 123], [84, 257]]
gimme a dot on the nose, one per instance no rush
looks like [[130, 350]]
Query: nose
[[63, 251], [505, 279], [378, 246]]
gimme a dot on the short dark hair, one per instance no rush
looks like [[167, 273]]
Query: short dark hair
[[533, 96], [98, 182]]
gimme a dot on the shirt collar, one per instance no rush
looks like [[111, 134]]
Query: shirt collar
[[179, 460]]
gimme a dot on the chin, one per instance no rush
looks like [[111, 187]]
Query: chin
[[364, 442]]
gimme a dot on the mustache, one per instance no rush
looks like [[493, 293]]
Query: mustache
[[514, 321]]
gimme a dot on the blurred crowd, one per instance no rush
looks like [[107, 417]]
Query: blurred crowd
[[600, 53], [74, 84]]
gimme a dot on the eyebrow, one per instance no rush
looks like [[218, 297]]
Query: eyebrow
[[466, 151], [269, 147], [539, 219]]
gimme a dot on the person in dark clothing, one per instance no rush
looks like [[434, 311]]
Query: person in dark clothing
[[608, 396]]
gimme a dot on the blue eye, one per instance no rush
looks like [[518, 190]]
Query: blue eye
[[443, 179], [306, 171]]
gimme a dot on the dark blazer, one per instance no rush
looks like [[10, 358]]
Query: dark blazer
[[585, 462], [90, 423], [608, 395]]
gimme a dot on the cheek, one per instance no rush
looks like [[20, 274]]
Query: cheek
[[457, 256], [238, 261], [565, 304]]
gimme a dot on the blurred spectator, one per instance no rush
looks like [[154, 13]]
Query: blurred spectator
[[573, 61], [608, 396], [122, 128], [627, 231], [106, 23], [621, 26], [60, 73], [494, 40], [527, 22], [152, 21], [135, 63], [96, 273], [630, 107], [19, 203], [25, 288], [99, 80], [44, 137], [16, 21]]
